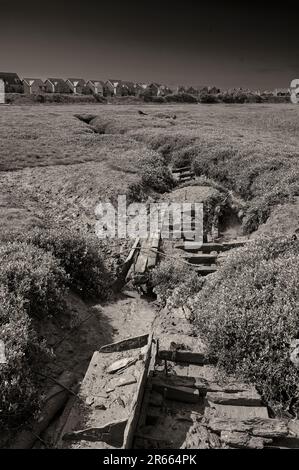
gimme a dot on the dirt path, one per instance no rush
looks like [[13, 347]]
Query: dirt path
[[129, 315]]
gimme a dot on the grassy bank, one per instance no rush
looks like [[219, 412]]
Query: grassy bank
[[248, 312]]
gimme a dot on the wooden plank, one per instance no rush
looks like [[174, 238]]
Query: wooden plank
[[198, 259], [132, 253], [133, 342], [209, 247], [137, 402], [191, 247], [180, 169], [182, 348], [141, 263], [184, 356], [244, 398], [205, 270], [182, 394], [268, 428], [285, 443], [205, 386], [153, 254], [126, 267], [187, 173], [239, 412]]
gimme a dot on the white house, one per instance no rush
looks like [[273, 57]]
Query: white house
[[2, 91], [76, 85], [96, 87]]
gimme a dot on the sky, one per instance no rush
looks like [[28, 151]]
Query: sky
[[226, 44]]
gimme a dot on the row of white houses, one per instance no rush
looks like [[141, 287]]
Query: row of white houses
[[79, 86]]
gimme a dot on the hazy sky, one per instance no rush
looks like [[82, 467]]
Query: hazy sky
[[202, 43]]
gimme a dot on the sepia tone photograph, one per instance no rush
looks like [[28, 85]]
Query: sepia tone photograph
[[149, 235]]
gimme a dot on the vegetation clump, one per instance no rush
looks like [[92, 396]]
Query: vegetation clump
[[35, 276], [80, 257], [174, 278], [248, 312], [24, 353]]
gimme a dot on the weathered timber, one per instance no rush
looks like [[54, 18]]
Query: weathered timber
[[133, 252], [145, 405], [185, 179], [187, 173], [184, 356], [126, 344], [247, 398], [181, 169], [153, 252], [141, 263], [182, 348], [241, 440], [237, 412], [207, 247], [127, 266], [137, 401], [195, 247], [269, 428], [112, 433], [182, 394], [201, 259], [205, 270], [285, 443], [202, 385]]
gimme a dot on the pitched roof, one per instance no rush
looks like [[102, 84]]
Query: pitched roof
[[114, 82], [282, 90], [129, 85], [10, 78], [78, 80], [28, 80], [56, 80], [96, 81]]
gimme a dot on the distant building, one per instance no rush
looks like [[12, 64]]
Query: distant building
[[213, 90], [164, 90], [153, 89], [95, 87], [282, 92], [128, 88], [113, 88], [195, 91], [2, 91], [180, 89], [12, 82], [56, 85], [139, 88], [33, 86], [76, 85]]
